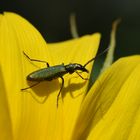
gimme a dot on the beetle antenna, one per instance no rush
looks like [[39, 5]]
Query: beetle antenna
[[97, 56]]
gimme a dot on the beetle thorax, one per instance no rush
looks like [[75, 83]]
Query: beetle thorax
[[71, 68]]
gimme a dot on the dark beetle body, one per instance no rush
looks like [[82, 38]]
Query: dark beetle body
[[53, 72], [57, 71], [47, 74]]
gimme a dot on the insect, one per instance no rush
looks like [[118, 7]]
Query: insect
[[58, 71]]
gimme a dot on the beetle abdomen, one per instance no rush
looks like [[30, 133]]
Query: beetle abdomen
[[47, 74]]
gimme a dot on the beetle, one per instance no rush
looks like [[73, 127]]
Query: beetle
[[58, 71]]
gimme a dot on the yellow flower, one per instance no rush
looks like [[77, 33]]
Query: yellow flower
[[109, 111]]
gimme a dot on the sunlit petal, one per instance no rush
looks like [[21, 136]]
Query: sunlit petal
[[32, 120], [16, 36], [5, 120], [74, 51], [111, 109]]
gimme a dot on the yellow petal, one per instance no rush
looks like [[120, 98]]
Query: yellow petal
[[16, 36], [111, 109], [5, 120], [30, 119], [74, 51]]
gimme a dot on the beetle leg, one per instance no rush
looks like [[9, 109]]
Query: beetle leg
[[36, 59], [62, 85], [47, 64], [81, 76], [30, 86]]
